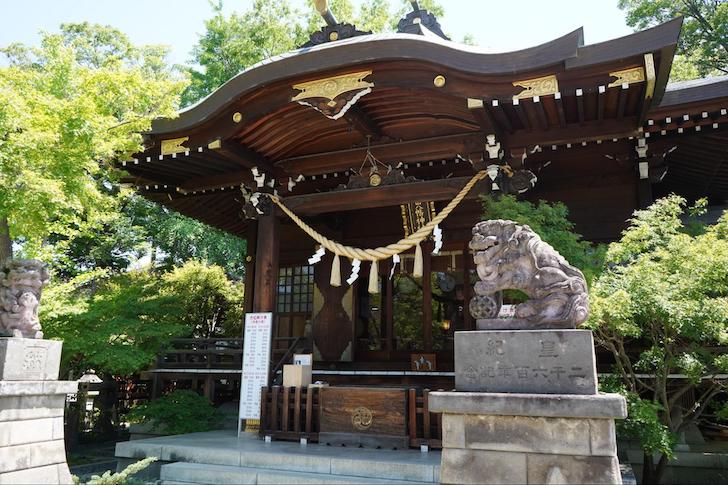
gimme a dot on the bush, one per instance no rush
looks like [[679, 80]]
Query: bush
[[178, 412]]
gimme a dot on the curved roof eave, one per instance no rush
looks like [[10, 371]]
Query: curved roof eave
[[370, 48], [567, 49]]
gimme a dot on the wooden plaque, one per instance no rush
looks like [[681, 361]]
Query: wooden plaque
[[363, 410]]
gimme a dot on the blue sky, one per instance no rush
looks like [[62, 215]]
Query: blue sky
[[497, 26]]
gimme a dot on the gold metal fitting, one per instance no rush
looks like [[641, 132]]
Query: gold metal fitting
[[237, 117], [439, 81]]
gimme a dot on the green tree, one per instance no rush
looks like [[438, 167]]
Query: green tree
[[231, 44], [67, 109], [550, 221], [665, 291], [114, 324], [211, 304], [174, 239], [704, 38]]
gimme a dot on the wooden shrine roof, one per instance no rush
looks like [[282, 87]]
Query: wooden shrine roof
[[418, 99]]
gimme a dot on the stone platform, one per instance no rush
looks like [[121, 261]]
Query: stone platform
[[219, 457]]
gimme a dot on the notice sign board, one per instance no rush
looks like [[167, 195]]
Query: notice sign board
[[256, 363]]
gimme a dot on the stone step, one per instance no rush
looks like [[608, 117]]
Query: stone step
[[198, 473]]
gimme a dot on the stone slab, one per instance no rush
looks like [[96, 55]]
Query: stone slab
[[482, 467], [31, 407], [29, 431], [511, 324], [20, 457], [547, 405], [37, 388], [34, 476], [526, 361], [573, 469], [28, 359], [559, 436]]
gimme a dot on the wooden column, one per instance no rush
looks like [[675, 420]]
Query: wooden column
[[427, 295], [467, 289], [644, 193], [251, 244], [266, 264]]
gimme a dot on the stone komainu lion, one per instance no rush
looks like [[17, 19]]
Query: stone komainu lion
[[21, 282], [509, 255]]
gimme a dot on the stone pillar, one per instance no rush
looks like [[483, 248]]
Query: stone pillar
[[32, 401]]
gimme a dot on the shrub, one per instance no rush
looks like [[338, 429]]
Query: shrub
[[179, 412]]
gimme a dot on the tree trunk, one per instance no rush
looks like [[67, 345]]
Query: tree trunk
[[6, 244], [652, 472]]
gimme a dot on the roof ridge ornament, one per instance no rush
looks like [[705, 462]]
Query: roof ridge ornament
[[419, 19], [333, 30]]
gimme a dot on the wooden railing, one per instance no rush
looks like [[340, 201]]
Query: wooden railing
[[425, 428], [199, 353], [292, 413]]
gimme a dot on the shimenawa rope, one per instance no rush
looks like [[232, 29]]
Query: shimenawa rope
[[385, 252]]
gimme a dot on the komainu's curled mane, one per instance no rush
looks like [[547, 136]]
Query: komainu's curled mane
[[509, 255]]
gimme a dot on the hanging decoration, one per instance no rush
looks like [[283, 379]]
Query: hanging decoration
[[357, 255], [437, 236]]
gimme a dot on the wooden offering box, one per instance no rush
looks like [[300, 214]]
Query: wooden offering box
[[363, 416]]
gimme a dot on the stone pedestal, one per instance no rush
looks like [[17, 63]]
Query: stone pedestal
[[533, 414], [32, 401]]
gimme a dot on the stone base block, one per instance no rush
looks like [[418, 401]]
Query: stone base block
[[462, 466], [28, 359], [528, 438], [526, 361], [31, 431], [606, 406]]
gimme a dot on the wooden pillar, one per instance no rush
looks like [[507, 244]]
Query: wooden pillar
[[389, 305], [251, 244], [427, 295], [467, 289], [644, 193], [266, 264]]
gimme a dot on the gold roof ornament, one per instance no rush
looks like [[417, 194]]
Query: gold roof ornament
[[174, 145], [540, 86], [333, 96], [627, 76]]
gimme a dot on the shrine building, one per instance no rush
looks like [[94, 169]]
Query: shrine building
[[367, 137]]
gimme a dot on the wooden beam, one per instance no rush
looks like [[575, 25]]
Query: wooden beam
[[245, 156], [540, 113], [217, 181], [485, 119], [361, 122], [622, 100], [417, 150], [388, 195], [560, 109], [601, 94], [521, 114], [574, 132], [580, 105], [500, 115]]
